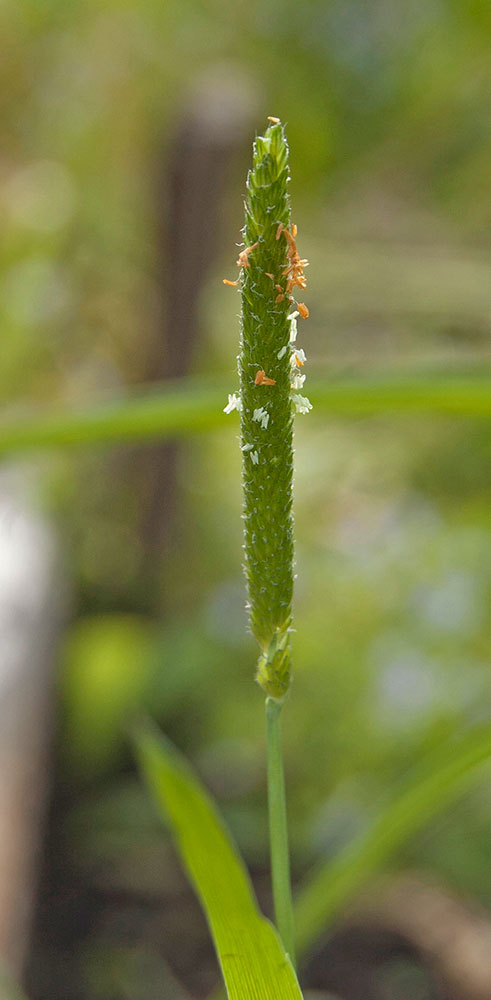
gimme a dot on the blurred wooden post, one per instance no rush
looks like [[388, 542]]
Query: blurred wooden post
[[31, 600], [215, 122]]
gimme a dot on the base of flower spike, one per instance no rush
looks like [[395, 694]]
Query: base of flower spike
[[274, 667]]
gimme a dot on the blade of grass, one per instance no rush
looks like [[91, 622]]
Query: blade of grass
[[194, 405], [251, 956], [178, 408], [434, 785]]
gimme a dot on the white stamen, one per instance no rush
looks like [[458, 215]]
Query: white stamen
[[297, 380], [234, 403], [255, 457], [262, 417], [247, 447], [302, 404], [293, 328], [299, 356], [281, 354]]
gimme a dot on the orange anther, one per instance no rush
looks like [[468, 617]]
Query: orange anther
[[268, 275], [291, 239], [262, 379], [303, 310], [243, 258], [232, 283], [275, 120]]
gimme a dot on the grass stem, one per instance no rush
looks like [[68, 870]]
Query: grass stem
[[278, 830]]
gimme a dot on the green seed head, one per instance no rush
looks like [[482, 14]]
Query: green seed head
[[268, 369]]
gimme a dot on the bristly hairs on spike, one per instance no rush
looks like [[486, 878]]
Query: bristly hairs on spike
[[268, 367]]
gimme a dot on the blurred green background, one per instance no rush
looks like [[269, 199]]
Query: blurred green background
[[121, 122]]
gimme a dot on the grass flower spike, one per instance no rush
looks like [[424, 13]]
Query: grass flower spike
[[269, 370]]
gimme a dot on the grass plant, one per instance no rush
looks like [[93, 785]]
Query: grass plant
[[271, 375], [257, 959], [270, 370]]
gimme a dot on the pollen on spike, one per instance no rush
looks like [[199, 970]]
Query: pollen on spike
[[233, 284], [276, 121], [243, 258], [263, 379], [303, 310]]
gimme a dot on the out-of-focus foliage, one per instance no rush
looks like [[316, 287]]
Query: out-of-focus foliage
[[104, 679], [387, 109]]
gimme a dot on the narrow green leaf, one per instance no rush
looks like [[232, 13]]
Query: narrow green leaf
[[194, 405], [251, 956], [434, 786]]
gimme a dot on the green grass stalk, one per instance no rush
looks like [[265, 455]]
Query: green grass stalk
[[270, 375], [278, 829]]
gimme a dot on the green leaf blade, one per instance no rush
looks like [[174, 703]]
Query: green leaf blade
[[192, 405], [433, 787], [253, 962]]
